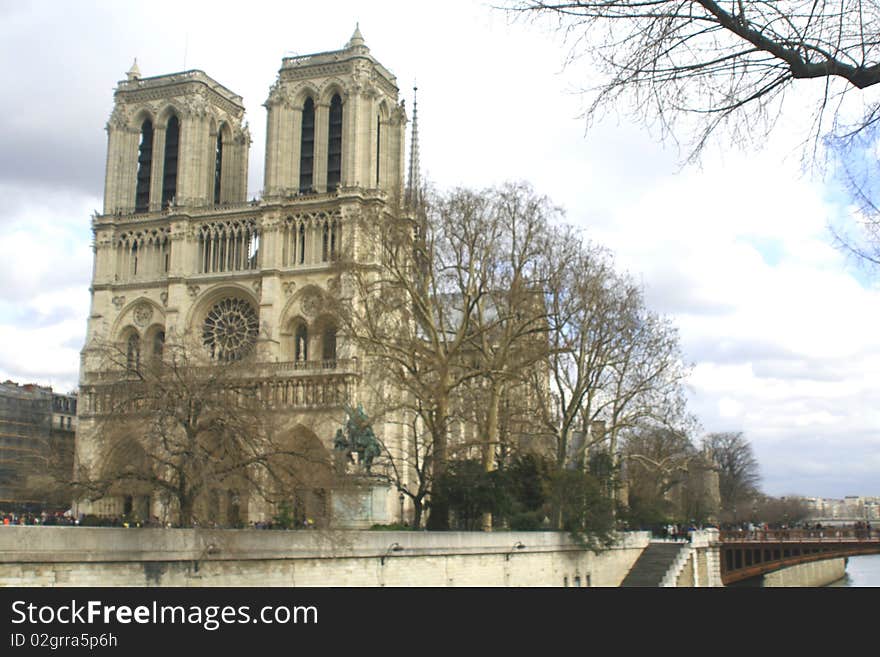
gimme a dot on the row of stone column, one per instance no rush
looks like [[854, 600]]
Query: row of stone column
[[196, 163], [372, 146]]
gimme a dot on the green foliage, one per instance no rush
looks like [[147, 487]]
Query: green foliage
[[528, 506], [602, 467], [284, 519], [527, 495], [586, 512], [391, 527], [470, 491], [648, 513]]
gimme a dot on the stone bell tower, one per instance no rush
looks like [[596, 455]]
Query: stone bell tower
[[334, 122], [177, 140]]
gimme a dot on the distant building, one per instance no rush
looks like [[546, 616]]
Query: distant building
[[850, 508], [37, 429]]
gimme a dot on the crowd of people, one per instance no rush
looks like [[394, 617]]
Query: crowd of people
[[37, 518], [681, 532], [70, 519]]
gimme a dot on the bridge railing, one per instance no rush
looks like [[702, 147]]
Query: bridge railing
[[823, 535]]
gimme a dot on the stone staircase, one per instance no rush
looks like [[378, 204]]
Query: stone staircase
[[652, 566]]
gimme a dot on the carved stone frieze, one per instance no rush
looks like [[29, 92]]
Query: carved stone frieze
[[175, 92], [119, 118], [195, 105], [383, 84], [243, 137], [277, 95], [311, 72]]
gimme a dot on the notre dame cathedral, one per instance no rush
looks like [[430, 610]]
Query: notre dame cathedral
[[181, 253]]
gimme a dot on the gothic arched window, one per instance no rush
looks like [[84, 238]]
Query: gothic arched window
[[307, 146], [133, 352], [218, 167], [145, 164], [378, 146], [301, 343], [158, 344], [329, 347], [172, 143], [334, 239], [334, 143]]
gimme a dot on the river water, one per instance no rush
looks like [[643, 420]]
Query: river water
[[861, 571]]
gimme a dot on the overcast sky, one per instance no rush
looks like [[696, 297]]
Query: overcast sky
[[782, 331]]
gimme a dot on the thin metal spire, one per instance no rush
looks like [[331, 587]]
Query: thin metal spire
[[414, 184]]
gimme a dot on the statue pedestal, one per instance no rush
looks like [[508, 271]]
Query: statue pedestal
[[362, 507]]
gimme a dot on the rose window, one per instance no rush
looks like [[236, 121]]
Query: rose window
[[230, 329]]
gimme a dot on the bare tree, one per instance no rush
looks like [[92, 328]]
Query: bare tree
[[191, 433], [656, 461], [481, 311], [724, 65], [858, 166], [646, 376], [584, 310], [509, 334], [452, 314], [612, 363], [698, 497], [406, 459], [785, 510], [411, 310], [738, 472]]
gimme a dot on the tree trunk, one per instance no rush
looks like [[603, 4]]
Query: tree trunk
[[489, 444], [417, 513], [186, 502], [438, 520], [187, 510]]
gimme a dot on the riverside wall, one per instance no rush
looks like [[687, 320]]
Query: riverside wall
[[812, 573], [104, 556]]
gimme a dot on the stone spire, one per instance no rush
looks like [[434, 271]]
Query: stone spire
[[414, 182], [134, 73], [357, 39]]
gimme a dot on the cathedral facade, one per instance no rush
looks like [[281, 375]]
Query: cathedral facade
[[183, 258]]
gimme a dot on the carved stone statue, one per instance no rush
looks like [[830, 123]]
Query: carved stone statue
[[358, 437]]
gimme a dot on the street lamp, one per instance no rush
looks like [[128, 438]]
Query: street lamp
[[516, 546], [394, 547]]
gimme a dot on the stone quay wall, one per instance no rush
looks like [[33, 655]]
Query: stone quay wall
[[104, 556], [812, 573]]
